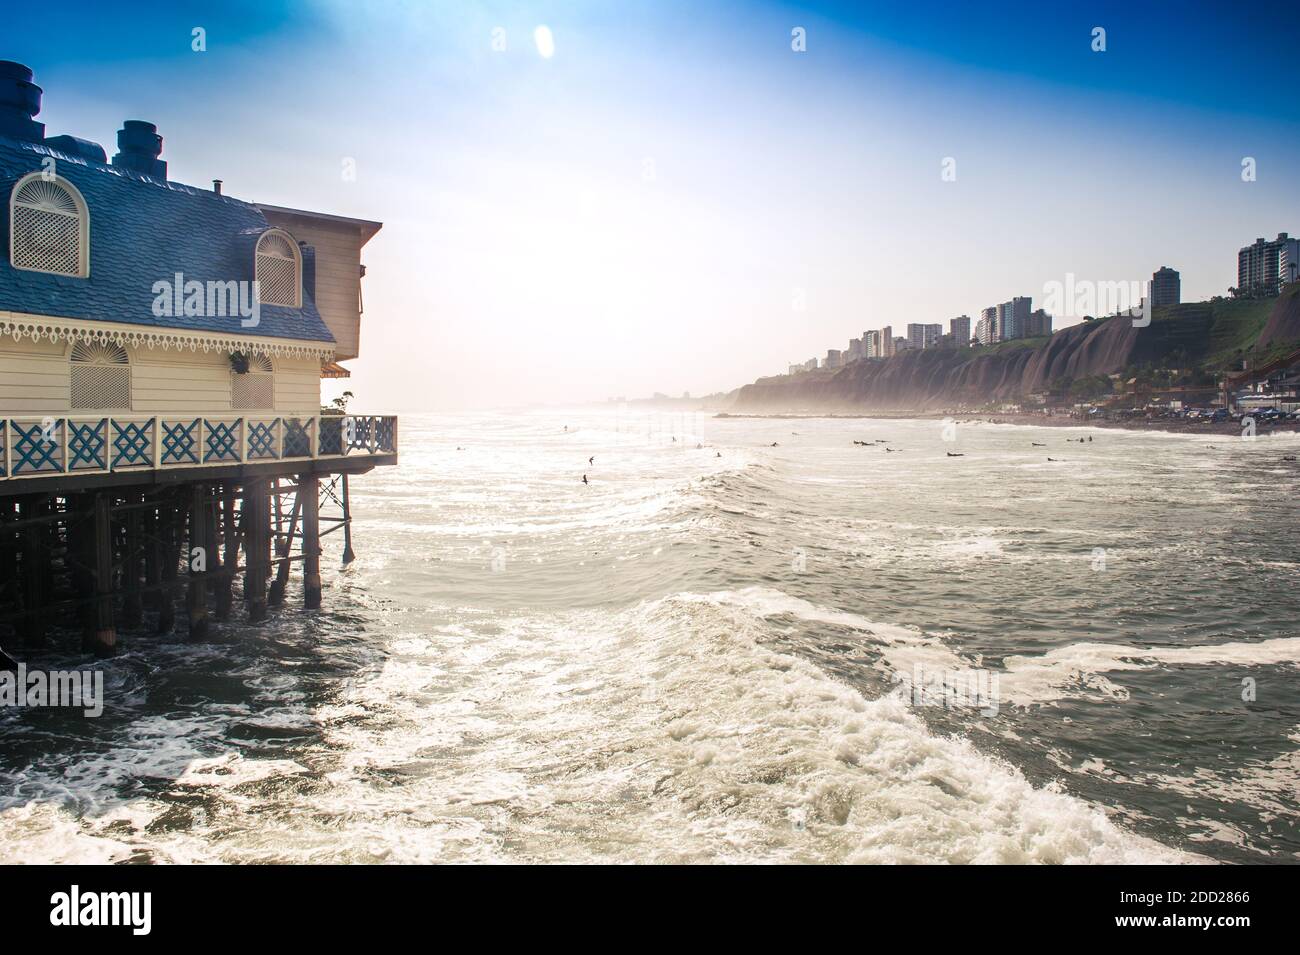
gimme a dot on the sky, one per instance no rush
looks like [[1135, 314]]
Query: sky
[[676, 198]]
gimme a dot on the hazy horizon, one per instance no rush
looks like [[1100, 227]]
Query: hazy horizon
[[641, 210]]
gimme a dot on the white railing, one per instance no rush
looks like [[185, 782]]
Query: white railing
[[34, 445]]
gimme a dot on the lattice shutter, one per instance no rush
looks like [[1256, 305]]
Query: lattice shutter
[[277, 270], [47, 228], [101, 387], [100, 376], [253, 390]]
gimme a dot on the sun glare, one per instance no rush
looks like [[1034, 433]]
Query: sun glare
[[545, 41]]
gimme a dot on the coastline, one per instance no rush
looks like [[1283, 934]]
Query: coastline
[[1230, 427]]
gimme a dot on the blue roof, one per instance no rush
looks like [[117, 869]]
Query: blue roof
[[144, 230]]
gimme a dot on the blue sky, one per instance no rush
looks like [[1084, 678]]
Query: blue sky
[[640, 211]]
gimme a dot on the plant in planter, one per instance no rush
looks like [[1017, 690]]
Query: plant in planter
[[339, 406]]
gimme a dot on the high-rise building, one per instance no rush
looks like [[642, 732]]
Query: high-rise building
[[921, 335], [960, 329], [834, 358], [887, 341], [1040, 324], [871, 345], [989, 322], [1013, 318], [855, 350], [901, 344], [1264, 267], [1165, 287]]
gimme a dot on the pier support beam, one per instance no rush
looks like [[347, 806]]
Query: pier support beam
[[132, 552], [283, 548], [79, 557], [101, 635], [168, 556], [230, 559], [348, 555], [256, 519], [309, 496], [280, 547], [152, 545], [36, 569], [196, 562]]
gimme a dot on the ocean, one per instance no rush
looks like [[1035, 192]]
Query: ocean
[[745, 640]]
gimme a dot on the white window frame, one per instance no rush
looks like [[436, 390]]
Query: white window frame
[[83, 224]]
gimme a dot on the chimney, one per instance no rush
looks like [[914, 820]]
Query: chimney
[[308, 270], [138, 149], [20, 100], [216, 186]]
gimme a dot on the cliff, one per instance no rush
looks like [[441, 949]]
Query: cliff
[[1197, 336]]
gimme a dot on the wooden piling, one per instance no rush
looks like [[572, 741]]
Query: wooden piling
[[132, 554], [36, 569], [212, 532], [255, 517], [348, 555], [168, 557], [152, 545], [79, 555], [230, 558], [284, 547], [196, 563], [280, 547], [101, 636], [309, 498]]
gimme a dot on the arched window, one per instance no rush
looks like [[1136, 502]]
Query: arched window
[[279, 269], [252, 382], [101, 377], [49, 226]]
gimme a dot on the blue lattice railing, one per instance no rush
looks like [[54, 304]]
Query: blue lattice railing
[[61, 444], [88, 445], [263, 436], [222, 440], [133, 443]]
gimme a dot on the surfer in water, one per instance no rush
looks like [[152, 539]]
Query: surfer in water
[[584, 479]]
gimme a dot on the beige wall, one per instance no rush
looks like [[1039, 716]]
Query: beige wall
[[33, 376], [338, 274], [34, 380]]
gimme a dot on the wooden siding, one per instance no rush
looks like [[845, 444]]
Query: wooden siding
[[35, 377], [338, 275]]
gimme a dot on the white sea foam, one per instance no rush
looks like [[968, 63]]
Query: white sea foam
[[1071, 670]]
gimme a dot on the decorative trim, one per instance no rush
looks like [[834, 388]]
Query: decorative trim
[[180, 340]]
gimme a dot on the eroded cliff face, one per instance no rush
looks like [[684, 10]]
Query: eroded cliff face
[[943, 378], [1283, 324], [1193, 335]]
